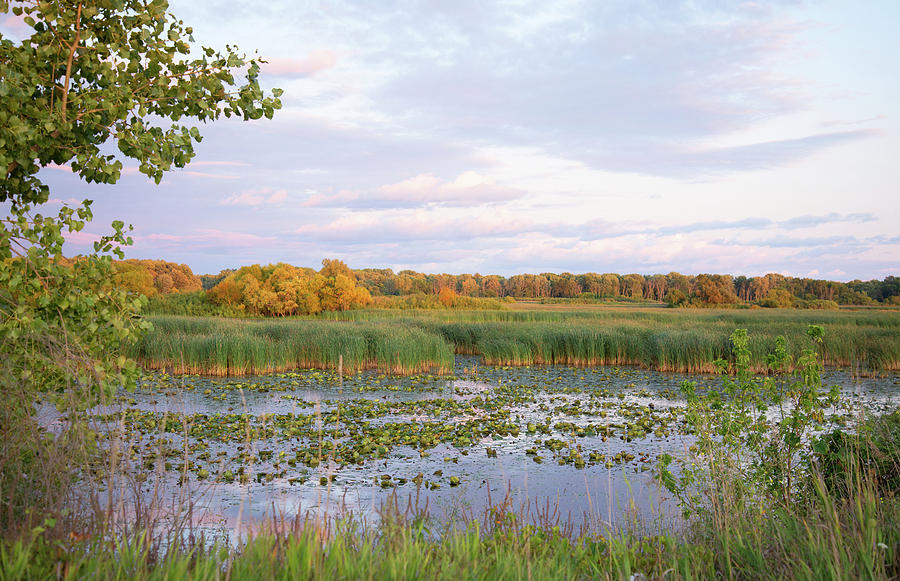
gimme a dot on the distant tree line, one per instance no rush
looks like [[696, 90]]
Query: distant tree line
[[284, 290], [771, 290]]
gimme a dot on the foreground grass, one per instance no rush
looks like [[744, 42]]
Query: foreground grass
[[828, 538], [401, 553], [843, 524], [406, 342]]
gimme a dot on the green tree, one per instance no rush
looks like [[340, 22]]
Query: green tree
[[752, 435], [676, 298], [633, 286], [777, 298], [609, 285], [90, 75]]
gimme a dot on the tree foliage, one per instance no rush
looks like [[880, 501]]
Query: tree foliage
[[92, 74], [754, 431], [153, 277], [92, 84], [284, 290], [675, 289], [111, 70]]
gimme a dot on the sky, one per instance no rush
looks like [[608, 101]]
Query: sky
[[532, 136]]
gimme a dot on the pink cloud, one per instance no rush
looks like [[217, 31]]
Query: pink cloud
[[67, 201], [81, 238], [338, 199], [415, 225], [204, 238], [131, 170], [413, 187], [468, 189], [134, 170], [279, 196], [255, 197], [15, 24], [219, 163], [215, 176], [316, 61]]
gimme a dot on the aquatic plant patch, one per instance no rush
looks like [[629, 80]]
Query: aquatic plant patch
[[369, 433]]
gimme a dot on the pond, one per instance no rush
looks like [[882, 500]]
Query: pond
[[557, 443]]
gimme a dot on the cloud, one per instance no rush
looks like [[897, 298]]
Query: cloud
[[277, 197], [810, 221], [507, 243], [218, 163], [255, 197], [318, 153], [600, 113], [743, 224], [468, 189], [615, 92], [81, 238], [686, 161], [600, 229], [15, 24], [200, 174], [341, 198], [202, 238], [620, 86], [522, 231], [839, 122], [416, 225], [315, 62], [763, 155], [831, 242], [64, 201]]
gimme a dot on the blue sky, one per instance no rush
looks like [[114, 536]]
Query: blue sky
[[520, 136]]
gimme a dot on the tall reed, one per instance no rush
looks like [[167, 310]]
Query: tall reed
[[412, 341], [236, 347]]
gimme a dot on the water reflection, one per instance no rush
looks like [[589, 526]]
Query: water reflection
[[578, 443]]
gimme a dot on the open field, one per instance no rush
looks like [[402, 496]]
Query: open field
[[413, 341]]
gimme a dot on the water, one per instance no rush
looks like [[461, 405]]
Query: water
[[568, 443]]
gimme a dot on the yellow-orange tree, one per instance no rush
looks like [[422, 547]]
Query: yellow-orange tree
[[152, 277], [283, 290]]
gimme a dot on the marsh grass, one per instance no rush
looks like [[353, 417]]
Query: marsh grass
[[405, 342], [665, 340], [238, 347], [394, 552]]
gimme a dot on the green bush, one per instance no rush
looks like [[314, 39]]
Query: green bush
[[872, 451]]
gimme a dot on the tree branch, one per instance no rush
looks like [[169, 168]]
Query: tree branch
[[72, 49]]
